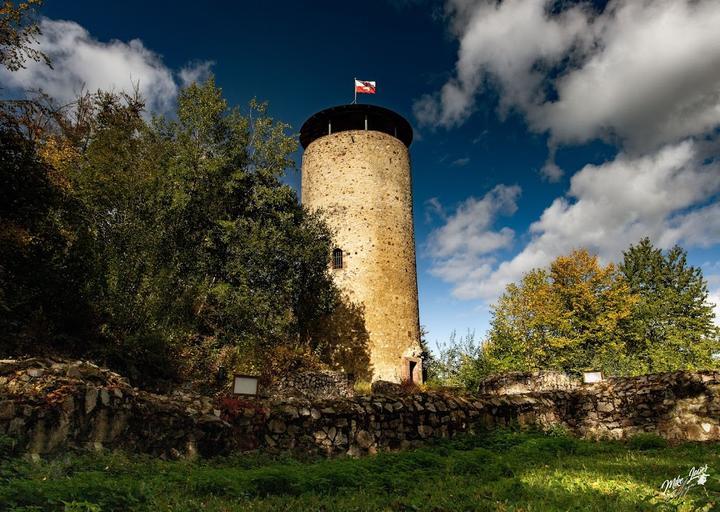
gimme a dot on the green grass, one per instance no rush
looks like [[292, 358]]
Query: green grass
[[503, 470]]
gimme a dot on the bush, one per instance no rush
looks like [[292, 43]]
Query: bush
[[558, 431], [277, 481], [362, 387], [541, 447]]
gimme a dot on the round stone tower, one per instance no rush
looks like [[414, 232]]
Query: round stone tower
[[356, 170]]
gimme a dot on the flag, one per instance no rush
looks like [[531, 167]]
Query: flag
[[363, 86]]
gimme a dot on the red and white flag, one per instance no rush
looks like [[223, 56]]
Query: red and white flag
[[365, 87]]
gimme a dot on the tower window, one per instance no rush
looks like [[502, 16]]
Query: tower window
[[337, 261]]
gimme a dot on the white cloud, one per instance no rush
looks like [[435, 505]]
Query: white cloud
[[460, 248], [82, 62], [433, 207], [460, 162], [714, 298], [656, 78], [646, 72], [714, 288], [551, 171], [668, 196], [195, 72]]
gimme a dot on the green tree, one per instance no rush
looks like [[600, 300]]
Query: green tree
[[196, 259], [454, 363], [248, 264], [568, 318], [203, 256], [671, 327], [42, 268], [41, 231]]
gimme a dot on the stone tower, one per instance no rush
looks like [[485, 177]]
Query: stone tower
[[356, 170]]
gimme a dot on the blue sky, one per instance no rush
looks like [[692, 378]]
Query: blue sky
[[540, 126]]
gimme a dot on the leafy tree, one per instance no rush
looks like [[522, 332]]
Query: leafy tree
[[18, 33], [455, 362], [568, 318], [197, 260], [248, 264], [165, 249], [41, 232], [41, 239], [671, 327]]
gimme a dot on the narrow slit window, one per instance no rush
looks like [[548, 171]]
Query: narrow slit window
[[337, 258]]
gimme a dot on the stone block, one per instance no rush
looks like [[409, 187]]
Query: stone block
[[277, 426], [364, 439], [7, 409], [91, 396], [425, 431]]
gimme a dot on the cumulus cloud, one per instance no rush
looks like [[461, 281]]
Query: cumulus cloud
[[434, 208], [644, 73], [712, 275], [82, 62], [460, 248], [670, 196], [714, 298], [195, 72]]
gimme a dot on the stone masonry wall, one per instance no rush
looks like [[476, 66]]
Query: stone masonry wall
[[318, 385], [514, 383], [49, 406], [361, 181]]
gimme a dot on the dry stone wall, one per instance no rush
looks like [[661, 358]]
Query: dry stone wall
[[48, 406], [514, 383], [316, 385]]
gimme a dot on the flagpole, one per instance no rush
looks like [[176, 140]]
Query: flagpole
[[355, 89]]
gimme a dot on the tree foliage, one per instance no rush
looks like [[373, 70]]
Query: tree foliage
[[18, 34], [42, 267], [196, 260], [567, 318], [453, 364], [672, 324], [648, 314]]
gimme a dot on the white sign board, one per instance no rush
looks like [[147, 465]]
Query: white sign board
[[245, 385], [591, 377]]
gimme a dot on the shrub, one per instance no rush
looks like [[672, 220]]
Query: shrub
[[558, 431], [540, 447], [276, 481], [362, 387]]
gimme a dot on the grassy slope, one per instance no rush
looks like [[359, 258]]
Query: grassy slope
[[497, 471]]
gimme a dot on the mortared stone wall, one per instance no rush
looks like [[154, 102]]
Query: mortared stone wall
[[361, 182]]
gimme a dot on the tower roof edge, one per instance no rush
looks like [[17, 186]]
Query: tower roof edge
[[355, 117]]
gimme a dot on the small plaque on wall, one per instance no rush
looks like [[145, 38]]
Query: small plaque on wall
[[592, 377], [246, 385]]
